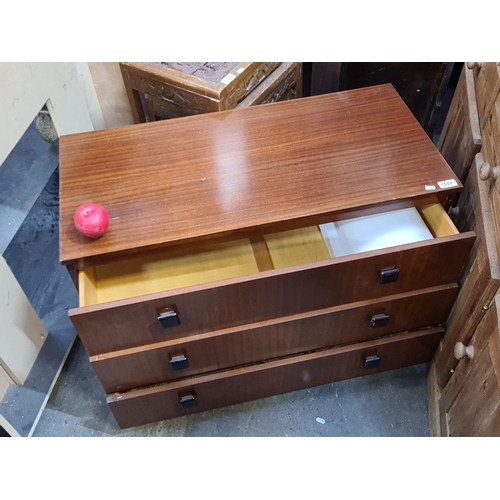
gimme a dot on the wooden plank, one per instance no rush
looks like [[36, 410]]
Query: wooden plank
[[297, 247], [146, 365], [438, 221], [261, 253], [491, 139], [460, 139], [433, 396], [224, 174], [276, 377], [271, 294], [489, 425]]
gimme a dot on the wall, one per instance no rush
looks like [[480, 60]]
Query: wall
[[80, 97]]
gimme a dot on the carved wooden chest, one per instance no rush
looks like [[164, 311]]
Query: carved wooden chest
[[161, 90]]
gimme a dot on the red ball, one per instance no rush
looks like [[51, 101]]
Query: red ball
[[91, 220]]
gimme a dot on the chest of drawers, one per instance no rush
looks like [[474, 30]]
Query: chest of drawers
[[214, 285]]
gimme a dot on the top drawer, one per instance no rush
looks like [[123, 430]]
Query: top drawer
[[245, 282]]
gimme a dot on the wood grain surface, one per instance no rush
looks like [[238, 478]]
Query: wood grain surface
[[278, 166], [460, 139], [276, 377], [487, 83], [146, 365]]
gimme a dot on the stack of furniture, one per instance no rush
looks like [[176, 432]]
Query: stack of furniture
[[214, 283], [464, 381], [162, 90]]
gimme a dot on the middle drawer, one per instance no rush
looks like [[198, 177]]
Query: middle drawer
[[175, 359]]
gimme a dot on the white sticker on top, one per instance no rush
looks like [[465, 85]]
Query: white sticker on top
[[240, 70], [228, 78], [447, 184]]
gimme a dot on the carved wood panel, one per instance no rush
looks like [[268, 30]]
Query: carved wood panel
[[168, 90]]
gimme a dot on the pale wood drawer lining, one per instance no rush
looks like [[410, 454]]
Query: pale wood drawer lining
[[150, 273]]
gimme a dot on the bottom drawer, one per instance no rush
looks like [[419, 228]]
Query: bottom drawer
[[225, 388]]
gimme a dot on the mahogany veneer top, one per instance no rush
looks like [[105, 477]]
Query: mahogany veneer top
[[219, 174]]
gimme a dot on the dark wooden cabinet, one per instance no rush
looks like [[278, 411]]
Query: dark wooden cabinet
[[421, 85], [214, 284]]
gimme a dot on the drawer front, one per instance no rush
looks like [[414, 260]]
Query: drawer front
[[272, 294], [470, 403], [171, 360], [481, 277], [152, 404]]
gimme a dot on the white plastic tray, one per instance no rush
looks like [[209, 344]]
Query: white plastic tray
[[373, 232]]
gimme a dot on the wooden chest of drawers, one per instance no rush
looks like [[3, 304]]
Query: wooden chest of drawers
[[214, 285]]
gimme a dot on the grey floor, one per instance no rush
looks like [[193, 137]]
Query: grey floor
[[388, 404]]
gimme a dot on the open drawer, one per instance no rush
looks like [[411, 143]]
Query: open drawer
[[153, 297]]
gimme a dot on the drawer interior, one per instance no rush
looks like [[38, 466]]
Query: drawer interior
[[150, 273], [302, 246]]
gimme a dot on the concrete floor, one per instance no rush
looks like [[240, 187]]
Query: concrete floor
[[388, 404]]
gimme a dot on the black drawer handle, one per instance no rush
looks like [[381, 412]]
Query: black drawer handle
[[179, 362], [379, 320], [169, 318], [188, 401], [371, 361], [388, 275]]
